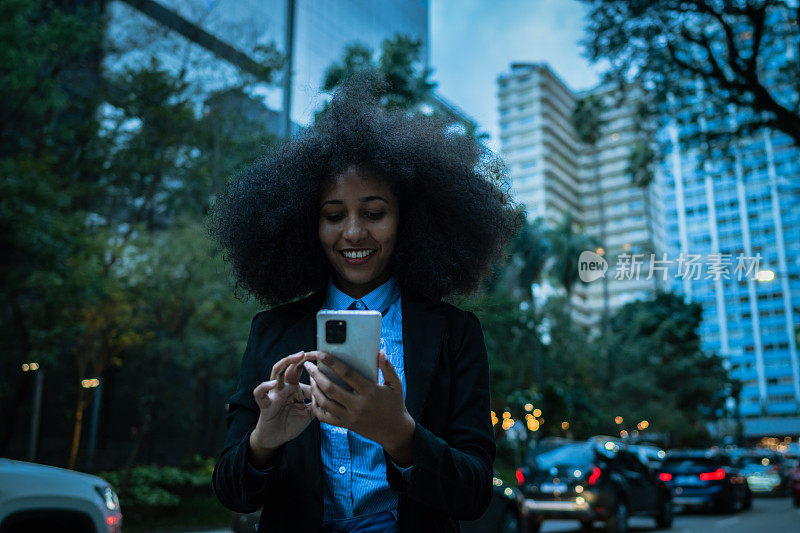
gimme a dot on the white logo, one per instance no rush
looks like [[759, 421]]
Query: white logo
[[591, 266]]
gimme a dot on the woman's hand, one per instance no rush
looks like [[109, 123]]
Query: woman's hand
[[284, 414], [376, 412]]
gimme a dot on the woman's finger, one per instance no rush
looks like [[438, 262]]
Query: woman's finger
[[321, 415], [331, 389], [327, 403], [263, 389], [281, 365], [295, 370]]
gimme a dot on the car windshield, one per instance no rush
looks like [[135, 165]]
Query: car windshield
[[566, 456]]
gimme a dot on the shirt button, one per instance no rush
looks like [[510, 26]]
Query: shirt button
[[360, 304], [342, 470]]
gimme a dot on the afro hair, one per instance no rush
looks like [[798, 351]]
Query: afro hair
[[456, 213]]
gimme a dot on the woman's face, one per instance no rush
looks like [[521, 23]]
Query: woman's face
[[358, 221]]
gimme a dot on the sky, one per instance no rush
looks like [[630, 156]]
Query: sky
[[474, 41]]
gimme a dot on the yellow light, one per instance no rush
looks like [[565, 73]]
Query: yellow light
[[506, 415], [765, 461], [34, 366], [580, 500], [564, 425], [493, 415], [90, 383], [494, 420], [533, 424], [600, 251], [609, 445], [579, 488], [528, 407], [25, 367], [537, 413], [623, 433], [765, 275], [644, 424], [618, 420]]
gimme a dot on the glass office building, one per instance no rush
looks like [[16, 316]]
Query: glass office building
[[323, 29], [738, 207]]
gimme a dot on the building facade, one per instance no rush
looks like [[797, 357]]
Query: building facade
[[554, 174], [738, 207], [322, 31]]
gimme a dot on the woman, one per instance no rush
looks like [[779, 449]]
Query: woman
[[377, 210]]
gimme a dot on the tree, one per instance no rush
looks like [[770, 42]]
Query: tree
[[744, 53], [100, 172], [398, 65], [587, 121], [566, 246], [663, 374]]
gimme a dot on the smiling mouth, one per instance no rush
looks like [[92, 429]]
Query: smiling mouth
[[356, 257]]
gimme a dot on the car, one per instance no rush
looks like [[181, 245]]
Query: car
[[794, 482], [705, 479], [502, 516], [36, 497], [764, 472], [590, 481], [649, 454]]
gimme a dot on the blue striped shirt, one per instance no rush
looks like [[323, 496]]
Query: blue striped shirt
[[354, 470]]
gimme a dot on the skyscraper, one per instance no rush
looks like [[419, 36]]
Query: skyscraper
[[739, 207], [554, 174]]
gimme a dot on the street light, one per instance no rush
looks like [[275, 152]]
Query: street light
[[528, 407], [90, 383], [37, 407], [618, 419], [565, 425], [765, 275], [537, 413]]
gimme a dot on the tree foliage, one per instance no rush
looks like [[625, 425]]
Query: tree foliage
[[742, 53]]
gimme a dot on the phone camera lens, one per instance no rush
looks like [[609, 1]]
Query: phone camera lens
[[335, 331]]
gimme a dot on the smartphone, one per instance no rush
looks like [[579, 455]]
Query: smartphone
[[353, 337]]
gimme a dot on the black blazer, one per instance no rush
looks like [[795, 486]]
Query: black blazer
[[447, 394]]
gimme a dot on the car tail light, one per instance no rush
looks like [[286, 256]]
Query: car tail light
[[665, 476], [520, 477], [716, 475], [595, 475]]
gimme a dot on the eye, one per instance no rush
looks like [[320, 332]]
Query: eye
[[374, 215], [333, 217]]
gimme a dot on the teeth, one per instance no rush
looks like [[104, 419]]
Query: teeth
[[357, 254]]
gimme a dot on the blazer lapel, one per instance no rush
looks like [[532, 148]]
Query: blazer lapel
[[422, 341]]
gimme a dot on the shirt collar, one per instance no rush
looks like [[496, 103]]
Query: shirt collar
[[378, 300]]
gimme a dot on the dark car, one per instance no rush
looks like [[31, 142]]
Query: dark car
[[589, 481], [502, 516], [794, 481], [703, 479]]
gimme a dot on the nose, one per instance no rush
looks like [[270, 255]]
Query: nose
[[354, 230]]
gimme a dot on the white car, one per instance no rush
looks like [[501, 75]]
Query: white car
[[35, 497]]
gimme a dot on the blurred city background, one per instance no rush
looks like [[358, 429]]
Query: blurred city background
[[659, 142]]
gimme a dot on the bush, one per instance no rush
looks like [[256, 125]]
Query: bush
[[168, 496]]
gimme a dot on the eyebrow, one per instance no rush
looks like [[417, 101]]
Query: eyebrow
[[364, 199]]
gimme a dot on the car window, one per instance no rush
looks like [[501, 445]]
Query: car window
[[569, 455]]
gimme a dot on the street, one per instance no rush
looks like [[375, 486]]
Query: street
[[767, 514]]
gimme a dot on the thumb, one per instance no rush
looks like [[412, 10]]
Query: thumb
[[390, 377]]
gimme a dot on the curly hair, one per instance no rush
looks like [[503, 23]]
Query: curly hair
[[456, 214]]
